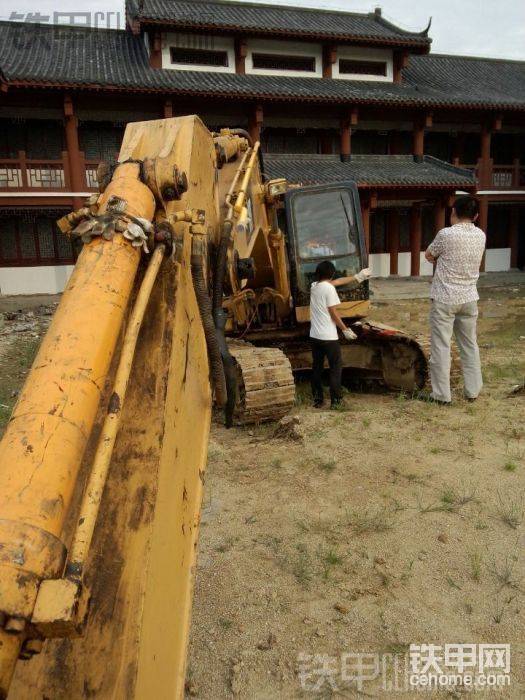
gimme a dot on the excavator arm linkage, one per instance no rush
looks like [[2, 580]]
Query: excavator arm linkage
[[102, 463]]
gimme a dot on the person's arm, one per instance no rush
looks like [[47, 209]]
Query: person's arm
[[332, 302], [334, 315], [435, 249], [354, 279], [347, 332]]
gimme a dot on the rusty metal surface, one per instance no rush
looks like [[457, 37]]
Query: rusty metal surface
[[141, 564]]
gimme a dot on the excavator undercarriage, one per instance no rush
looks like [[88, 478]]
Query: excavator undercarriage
[[192, 287]]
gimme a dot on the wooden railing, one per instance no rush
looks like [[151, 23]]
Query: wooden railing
[[502, 177], [91, 174], [24, 174]]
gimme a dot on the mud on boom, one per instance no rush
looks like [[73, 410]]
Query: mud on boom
[[192, 282]]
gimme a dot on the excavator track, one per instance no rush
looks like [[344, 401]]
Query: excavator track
[[266, 388], [404, 358]]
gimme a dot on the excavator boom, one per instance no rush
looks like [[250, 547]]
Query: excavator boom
[[114, 600]]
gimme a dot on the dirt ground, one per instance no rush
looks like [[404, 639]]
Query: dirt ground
[[393, 522]]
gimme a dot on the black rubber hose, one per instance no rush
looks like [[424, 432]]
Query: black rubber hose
[[219, 318], [220, 265], [245, 134], [212, 342], [229, 366]]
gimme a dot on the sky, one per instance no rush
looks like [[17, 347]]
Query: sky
[[493, 28]]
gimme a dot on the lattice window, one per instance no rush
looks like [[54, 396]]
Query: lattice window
[[27, 239], [282, 62], [350, 66], [8, 240], [63, 248], [502, 179], [199, 57], [91, 178], [46, 242], [47, 177], [10, 178]]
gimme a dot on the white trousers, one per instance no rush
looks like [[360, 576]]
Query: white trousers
[[460, 319]]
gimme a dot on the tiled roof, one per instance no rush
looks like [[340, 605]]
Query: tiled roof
[[282, 20], [380, 171], [481, 78], [43, 55]]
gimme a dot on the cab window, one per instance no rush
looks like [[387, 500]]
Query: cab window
[[325, 224]]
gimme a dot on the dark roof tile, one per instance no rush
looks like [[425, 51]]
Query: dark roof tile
[[381, 171], [104, 58], [274, 19]]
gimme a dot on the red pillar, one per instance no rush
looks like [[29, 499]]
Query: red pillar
[[514, 235], [329, 59], [241, 51], [418, 139], [155, 57], [485, 174], [365, 214], [393, 240], [346, 138], [76, 159], [256, 123], [168, 109], [415, 240], [440, 214]]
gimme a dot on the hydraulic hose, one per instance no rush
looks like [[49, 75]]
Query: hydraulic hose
[[205, 308], [245, 134], [219, 319], [97, 479]]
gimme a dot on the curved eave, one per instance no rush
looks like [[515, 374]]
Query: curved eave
[[401, 42], [264, 97], [398, 185]]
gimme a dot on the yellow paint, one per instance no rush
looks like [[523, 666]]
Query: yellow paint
[[141, 564], [106, 442], [347, 310]]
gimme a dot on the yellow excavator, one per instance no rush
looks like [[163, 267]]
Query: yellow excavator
[[192, 286]]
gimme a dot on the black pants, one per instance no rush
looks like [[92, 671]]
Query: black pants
[[332, 351]]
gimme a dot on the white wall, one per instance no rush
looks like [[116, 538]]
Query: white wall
[[198, 41], [404, 264], [286, 48], [44, 279], [380, 264], [497, 260], [364, 54], [425, 268]]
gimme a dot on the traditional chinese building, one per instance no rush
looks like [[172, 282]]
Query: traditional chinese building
[[331, 95]]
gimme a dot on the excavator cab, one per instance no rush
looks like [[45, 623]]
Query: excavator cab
[[324, 223]]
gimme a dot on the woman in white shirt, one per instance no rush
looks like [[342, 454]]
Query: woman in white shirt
[[325, 320]]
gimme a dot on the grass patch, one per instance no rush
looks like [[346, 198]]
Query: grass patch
[[510, 466], [450, 501], [327, 465], [370, 521], [503, 572], [510, 511], [302, 566], [476, 562]]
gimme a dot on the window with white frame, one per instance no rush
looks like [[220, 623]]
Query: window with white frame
[[198, 53], [355, 63], [287, 58]]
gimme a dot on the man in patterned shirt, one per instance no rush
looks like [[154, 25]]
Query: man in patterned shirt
[[457, 252]]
